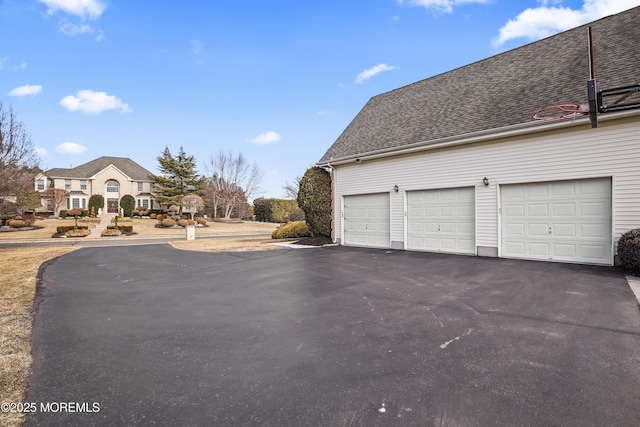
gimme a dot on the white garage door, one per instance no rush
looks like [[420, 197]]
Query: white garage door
[[367, 220], [562, 220], [441, 220]]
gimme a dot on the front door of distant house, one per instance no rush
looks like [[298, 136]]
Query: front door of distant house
[[112, 205], [113, 195]]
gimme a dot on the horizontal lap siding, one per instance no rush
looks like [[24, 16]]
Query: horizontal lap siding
[[610, 150]]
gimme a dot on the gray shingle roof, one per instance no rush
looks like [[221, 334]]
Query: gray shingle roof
[[499, 91], [87, 170]]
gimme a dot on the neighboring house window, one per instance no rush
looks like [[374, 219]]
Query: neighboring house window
[[75, 203], [112, 187], [83, 184], [139, 204], [139, 186], [152, 187], [84, 203], [49, 206], [67, 184], [41, 184], [151, 204], [145, 204]]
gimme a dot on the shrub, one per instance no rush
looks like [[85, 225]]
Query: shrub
[[191, 222], [111, 232], [73, 212], [297, 215], [314, 198], [183, 222], [202, 221], [273, 210], [96, 202], [168, 222], [63, 213], [152, 216], [64, 228], [160, 217], [128, 204], [77, 233], [291, 231], [629, 249], [17, 223]]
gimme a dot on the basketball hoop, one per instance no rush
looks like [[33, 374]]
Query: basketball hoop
[[562, 111]]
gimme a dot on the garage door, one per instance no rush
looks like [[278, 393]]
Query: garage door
[[367, 220], [441, 220], [562, 220]]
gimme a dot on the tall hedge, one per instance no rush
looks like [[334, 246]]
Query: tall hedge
[[314, 198], [96, 202], [128, 204], [273, 210]]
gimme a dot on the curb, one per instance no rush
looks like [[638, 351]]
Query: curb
[[634, 284]]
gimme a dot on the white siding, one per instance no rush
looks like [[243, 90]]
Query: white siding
[[611, 150]]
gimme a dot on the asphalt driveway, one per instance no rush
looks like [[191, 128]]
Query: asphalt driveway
[[150, 335]]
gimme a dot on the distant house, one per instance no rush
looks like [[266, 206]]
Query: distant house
[[111, 177], [457, 163]]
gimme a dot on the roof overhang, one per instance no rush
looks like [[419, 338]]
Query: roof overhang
[[475, 137]]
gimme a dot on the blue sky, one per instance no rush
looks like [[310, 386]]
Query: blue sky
[[275, 80]]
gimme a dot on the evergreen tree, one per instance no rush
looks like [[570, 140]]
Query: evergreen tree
[[178, 177]]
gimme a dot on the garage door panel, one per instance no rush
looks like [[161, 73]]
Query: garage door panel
[[564, 209], [575, 225], [446, 218], [367, 220], [538, 209]]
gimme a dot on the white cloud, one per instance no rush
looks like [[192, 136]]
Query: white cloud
[[21, 67], [445, 6], [544, 20], [266, 138], [70, 148], [40, 151], [367, 74], [84, 9], [70, 29], [26, 90], [90, 102]]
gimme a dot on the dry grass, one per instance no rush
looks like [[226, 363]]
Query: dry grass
[[227, 244], [48, 230], [145, 228], [18, 270]]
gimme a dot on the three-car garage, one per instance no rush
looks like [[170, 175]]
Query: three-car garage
[[565, 220]]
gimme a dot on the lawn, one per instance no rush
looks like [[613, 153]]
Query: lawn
[[18, 269], [147, 228]]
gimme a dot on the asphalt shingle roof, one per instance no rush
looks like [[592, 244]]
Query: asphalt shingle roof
[[499, 91], [87, 170]]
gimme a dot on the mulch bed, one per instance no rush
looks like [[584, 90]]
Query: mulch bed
[[314, 241]]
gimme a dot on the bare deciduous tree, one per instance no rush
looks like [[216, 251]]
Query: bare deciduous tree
[[291, 188], [232, 180], [192, 203], [18, 159], [57, 197]]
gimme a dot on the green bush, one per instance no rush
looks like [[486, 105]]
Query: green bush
[[273, 210], [291, 231], [64, 228], [629, 249], [168, 222], [128, 204], [63, 213], [96, 202], [314, 198]]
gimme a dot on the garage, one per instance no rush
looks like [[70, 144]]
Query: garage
[[558, 221], [441, 220], [367, 220]]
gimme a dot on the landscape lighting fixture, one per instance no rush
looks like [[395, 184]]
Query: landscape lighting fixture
[[485, 181], [396, 188]]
